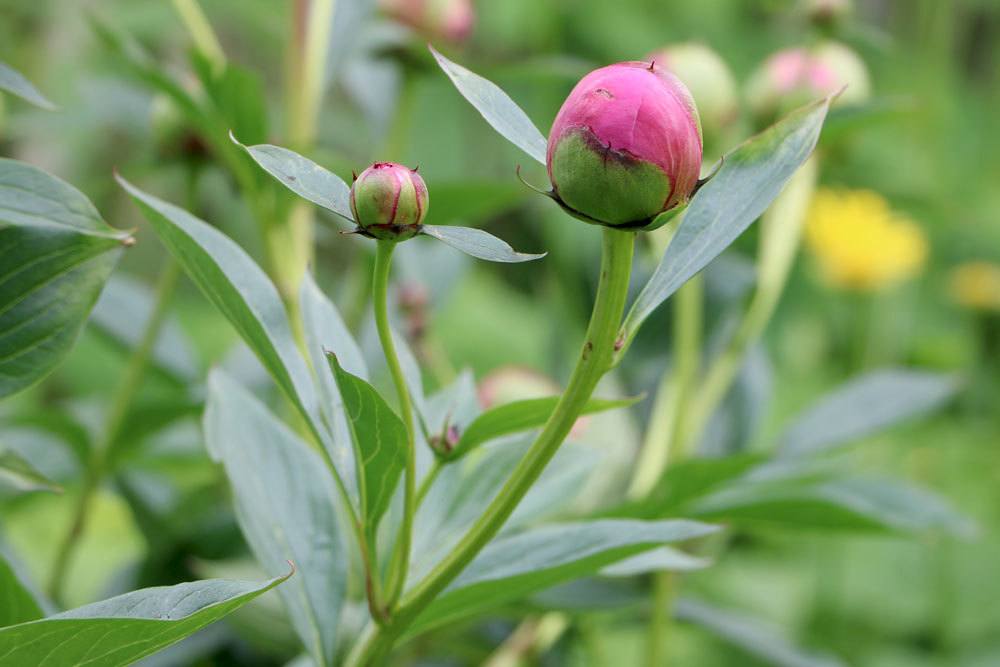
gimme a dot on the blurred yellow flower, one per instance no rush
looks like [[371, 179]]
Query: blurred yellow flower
[[860, 243], [976, 285]]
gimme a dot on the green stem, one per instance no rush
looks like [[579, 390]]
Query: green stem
[[428, 481], [659, 620], [102, 454], [781, 229], [201, 32], [595, 359], [667, 417], [380, 290]]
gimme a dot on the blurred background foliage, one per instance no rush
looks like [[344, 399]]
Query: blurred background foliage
[[913, 184]]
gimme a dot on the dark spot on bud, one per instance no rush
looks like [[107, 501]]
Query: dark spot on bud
[[652, 64], [604, 92], [354, 175]]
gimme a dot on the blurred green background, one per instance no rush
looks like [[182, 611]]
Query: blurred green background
[[929, 146]]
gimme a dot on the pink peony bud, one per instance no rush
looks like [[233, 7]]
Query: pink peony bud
[[626, 144], [448, 19], [709, 79], [389, 201], [794, 77]]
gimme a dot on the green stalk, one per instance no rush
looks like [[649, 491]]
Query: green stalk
[[666, 419], [380, 290], [594, 361], [201, 33], [781, 229], [428, 481], [102, 455], [659, 621]]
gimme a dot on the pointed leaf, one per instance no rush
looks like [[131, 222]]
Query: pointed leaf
[[749, 634], [522, 416], [235, 285], [56, 254], [17, 602], [864, 406], [379, 444], [14, 82], [496, 107], [325, 330], [661, 559], [123, 629], [21, 476], [303, 177], [748, 181], [478, 243], [287, 508], [513, 567]]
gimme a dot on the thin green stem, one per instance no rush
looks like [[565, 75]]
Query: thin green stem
[[667, 417], [594, 360], [102, 454], [428, 481], [380, 290], [201, 32], [659, 619]]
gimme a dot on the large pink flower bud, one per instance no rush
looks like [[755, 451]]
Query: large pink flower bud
[[389, 201], [794, 77], [626, 144], [449, 19]]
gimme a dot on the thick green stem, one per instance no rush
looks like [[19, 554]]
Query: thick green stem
[[102, 453], [659, 619], [380, 290], [201, 32], [667, 417], [595, 359]]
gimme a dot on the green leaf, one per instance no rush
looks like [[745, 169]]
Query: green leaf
[[56, 253], [237, 95], [379, 444], [287, 508], [478, 243], [17, 602], [325, 330], [14, 82], [852, 504], [123, 629], [235, 285], [685, 481], [513, 567], [20, 476], [749, 634], [864, 406], [496, 107], [121, 315], [661, 559], [748, 181], [522, 416], [303, 177]]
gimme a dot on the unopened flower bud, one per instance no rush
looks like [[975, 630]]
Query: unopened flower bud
[[709, 79], [827, 13], [389, 201], [451, 20], [626, 145], [794, 77]]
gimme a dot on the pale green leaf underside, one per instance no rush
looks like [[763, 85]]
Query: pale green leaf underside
[[286, 506], [303, 177], [124, 629], [14, 82], [513, 567], [864, 406], [478, 243], [748, 181], [20, 476], [496, 107]]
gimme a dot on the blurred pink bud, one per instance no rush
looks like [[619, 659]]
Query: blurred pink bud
[[451, 20]]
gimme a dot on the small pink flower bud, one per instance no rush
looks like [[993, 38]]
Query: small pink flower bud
[[794, 77], [709, 79], [626, 144], [389, 201], [451, 20]]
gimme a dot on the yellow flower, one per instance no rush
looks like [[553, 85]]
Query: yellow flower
[[860, 243], [976, 285]]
